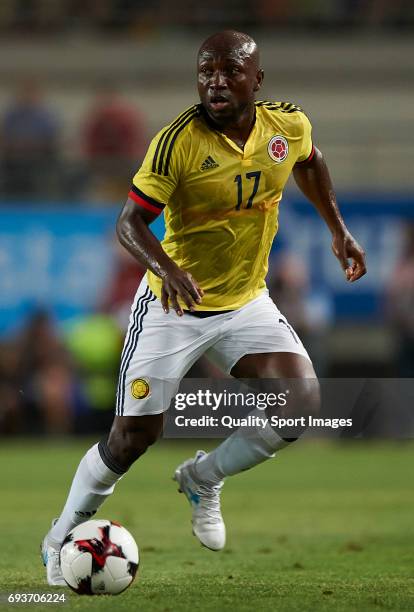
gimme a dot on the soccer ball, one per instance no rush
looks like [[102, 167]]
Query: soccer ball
[[99, 557]]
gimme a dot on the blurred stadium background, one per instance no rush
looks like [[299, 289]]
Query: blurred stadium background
[[84, 86]]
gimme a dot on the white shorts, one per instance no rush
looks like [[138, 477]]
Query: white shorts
[[160, 348]]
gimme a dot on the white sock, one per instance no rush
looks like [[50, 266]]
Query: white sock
[[245, 448], [92, 484]]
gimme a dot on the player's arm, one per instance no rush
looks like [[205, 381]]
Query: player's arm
[[312, 178], [135, 235]]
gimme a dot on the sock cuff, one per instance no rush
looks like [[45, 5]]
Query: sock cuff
[[108, 458], [205, 470], [271, 438]]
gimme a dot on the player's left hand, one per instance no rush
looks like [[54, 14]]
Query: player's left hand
[[346, 248]]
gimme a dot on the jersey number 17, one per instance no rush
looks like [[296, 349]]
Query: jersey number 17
[[238, 180]]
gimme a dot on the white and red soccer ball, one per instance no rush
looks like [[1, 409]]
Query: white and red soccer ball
[[99, 557]]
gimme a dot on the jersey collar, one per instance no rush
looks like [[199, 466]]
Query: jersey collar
[[246, 151]]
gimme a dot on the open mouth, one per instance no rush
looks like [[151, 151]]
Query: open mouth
[[218, 102]]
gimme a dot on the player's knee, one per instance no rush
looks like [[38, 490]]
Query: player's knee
[[310, 392], [127, 447], [128, 441], [304, 399]]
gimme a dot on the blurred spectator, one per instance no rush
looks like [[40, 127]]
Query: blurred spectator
[[51, 17], [11, 405], [288, 284], [29, 146], [400, 305], [271, 12], [38, 380], [95, 344], [310, 313], [114, 141]]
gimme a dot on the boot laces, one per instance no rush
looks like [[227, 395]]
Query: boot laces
[[209, 505]]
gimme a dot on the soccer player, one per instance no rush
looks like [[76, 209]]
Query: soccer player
[[218, 172]]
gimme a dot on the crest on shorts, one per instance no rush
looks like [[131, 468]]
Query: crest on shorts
[[278, 148], [140, 388]]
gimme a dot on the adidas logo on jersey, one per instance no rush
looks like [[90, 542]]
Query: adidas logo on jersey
[[208, 164]]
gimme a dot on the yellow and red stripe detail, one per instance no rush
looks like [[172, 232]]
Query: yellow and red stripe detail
[[145, 201], [309, 158]]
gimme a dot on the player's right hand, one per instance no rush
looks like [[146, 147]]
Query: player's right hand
[[178, 284]]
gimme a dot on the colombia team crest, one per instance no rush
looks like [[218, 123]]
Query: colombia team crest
[[278, 149], [140, 388]]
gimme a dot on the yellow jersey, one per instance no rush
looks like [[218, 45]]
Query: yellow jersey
[[220, 201]]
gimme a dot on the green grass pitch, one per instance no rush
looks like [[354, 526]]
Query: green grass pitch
[[320, 527]]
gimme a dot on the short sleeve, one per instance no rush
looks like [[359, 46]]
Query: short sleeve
[[157, 178], [307, 149]]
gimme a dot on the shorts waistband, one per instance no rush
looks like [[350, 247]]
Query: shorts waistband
[[203, 314]]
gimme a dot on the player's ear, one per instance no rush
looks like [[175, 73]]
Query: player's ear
[[259, 80]]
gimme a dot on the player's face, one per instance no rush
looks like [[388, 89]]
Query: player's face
[[227, 82]]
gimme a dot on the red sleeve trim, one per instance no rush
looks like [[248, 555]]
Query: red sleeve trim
[[144, 203], [308, 159]]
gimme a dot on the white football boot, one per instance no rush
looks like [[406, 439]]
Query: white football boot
[[51, 560], [208, 524]]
